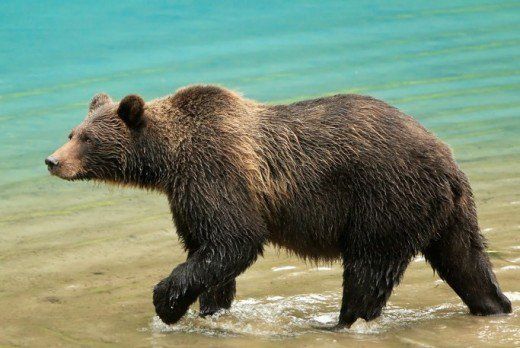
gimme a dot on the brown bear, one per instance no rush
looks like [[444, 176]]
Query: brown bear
[[345, 177]]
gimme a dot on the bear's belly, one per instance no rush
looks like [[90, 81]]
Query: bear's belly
[[311, 227], [307, 244]]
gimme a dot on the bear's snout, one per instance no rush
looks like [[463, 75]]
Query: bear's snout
[[66, 162], [51, 162]]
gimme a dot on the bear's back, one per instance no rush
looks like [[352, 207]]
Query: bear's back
[[335, 158]]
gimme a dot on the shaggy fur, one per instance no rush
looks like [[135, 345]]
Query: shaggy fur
[[345, 177]]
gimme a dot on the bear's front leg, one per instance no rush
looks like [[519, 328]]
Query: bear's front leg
[[208, 268], [218, 298], [215, 298], [223, 230], [173, 295]]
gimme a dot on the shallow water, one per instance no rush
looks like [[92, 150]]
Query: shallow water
[[78, 261]]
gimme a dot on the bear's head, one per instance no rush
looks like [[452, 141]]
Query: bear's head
[[105, 144]]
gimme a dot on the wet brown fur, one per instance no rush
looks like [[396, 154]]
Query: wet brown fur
[[344, 177]]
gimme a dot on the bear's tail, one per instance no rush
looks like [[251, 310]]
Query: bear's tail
[[460, 259]]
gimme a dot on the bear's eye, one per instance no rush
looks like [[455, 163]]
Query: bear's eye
[[86, 139]]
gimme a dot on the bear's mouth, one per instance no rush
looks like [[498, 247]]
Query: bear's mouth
[[66, 173]]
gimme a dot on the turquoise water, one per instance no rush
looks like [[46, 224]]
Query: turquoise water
[[454, 65], [433, 62]]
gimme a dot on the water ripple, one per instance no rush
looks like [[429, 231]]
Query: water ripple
[[277, 316]]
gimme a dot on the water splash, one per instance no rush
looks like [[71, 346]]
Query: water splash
[[278, 316]]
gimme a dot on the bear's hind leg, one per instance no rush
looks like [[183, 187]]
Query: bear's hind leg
[[368, 281], [460, 259], [217, 298]]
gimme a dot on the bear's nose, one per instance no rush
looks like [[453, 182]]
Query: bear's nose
[[51, 162]]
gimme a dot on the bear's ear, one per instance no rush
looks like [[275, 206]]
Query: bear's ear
[[131, 111], [98, 100]]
